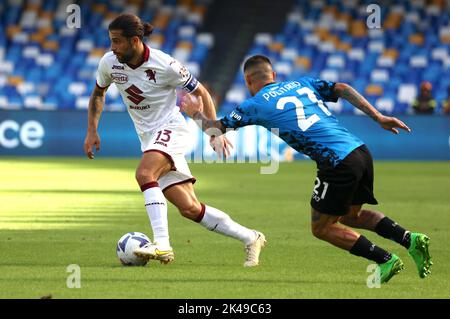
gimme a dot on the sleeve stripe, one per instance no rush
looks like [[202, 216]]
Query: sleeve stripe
[[101, 87], [187, 81]]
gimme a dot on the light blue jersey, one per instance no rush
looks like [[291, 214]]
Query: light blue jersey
[[298, 110]]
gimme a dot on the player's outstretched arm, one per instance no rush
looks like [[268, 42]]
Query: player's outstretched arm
[[218, 142], [209, 109], [348, 93], [96, 103], [192, 106]]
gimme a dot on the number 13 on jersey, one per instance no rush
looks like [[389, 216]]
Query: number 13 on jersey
[[303, 122]]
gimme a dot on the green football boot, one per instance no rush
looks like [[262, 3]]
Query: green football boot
[[390, 268], [419, 252]]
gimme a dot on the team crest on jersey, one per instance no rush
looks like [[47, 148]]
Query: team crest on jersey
[[182, 70], [151, 75], [119, 78]]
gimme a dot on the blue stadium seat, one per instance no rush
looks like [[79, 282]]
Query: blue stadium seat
[[411, 63], [67, 63], [373, 64]]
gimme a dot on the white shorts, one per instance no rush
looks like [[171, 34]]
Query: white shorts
[[170, 140]]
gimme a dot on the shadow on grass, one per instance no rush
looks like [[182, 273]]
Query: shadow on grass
[[166, 281], [75, 191]]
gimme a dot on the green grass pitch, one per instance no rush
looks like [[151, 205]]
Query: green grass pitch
[[58, 212]]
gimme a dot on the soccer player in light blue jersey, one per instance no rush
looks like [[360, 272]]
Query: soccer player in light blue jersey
[[344, 179]]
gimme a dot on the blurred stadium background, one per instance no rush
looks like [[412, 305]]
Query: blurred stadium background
[[70, 210], [47, 68]]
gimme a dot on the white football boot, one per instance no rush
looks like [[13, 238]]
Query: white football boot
[[151, 251], [254, 249]]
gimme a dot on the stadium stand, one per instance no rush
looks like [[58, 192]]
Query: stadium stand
[[330, 40], [46, 65]]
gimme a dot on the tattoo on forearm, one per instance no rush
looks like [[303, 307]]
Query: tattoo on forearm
[[95, 108], [356, 99], [96, 102], [207, 124]]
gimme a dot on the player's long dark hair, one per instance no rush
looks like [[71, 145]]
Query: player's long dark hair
[[131, 25]]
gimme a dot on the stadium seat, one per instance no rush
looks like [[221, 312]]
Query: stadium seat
[[329, 75], [37, 47], [379, 75], [407, 93], [328, 39], [386, 105], [236, 95], [82, 102]]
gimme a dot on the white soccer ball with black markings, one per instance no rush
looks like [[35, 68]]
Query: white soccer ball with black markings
[[127, 244]]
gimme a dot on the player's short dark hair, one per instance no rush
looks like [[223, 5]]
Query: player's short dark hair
[[256, 60], [131, 25]]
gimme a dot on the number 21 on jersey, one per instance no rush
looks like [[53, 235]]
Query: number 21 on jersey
[[303, 122], [317, 197]]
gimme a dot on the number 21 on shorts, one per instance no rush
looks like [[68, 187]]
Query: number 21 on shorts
[[318, 195]]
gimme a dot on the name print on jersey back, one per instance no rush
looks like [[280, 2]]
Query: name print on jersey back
[[297, 108]]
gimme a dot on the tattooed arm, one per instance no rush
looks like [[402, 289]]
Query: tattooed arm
[[193, 107], [210, 127], [218, 142], [96, 103], [348, 93]]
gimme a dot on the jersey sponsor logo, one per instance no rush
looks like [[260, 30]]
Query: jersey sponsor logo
[[236, 116], [119, 78], [151, 74], [140, 108], [160, 143], [118, 67], [135, 94]]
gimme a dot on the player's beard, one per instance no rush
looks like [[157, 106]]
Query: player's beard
[[125, 57]]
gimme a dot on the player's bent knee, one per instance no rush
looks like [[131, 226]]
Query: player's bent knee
[[144, 176]]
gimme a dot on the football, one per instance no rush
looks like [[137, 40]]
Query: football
[[126, 246]]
